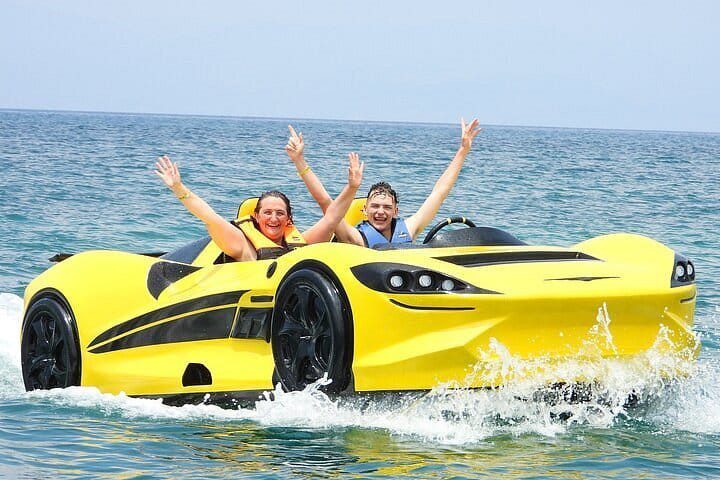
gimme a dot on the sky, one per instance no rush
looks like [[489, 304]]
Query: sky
[[648, 65]]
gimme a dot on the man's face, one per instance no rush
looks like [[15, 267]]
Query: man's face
[[381, 209]]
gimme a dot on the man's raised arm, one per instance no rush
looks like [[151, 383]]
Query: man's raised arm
[[427, 211]]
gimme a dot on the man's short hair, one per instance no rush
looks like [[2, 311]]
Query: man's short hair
[[382, 188]]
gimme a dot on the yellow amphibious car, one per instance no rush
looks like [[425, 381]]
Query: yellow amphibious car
[[193, 322]]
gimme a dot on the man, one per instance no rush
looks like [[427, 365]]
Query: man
[[383, 224]]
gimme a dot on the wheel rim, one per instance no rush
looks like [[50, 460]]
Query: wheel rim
[[305, 336], [48, 354]]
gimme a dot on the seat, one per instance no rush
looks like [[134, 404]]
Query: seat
[[354, 215], [247, 207], [356, 212]]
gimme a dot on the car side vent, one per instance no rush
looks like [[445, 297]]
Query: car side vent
[[497, 258], [253, 323], [196, 374]]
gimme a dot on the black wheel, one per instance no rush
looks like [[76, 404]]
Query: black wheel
[[49, 351], [311, 332], [448, 221]]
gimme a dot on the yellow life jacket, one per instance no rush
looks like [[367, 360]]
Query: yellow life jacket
[[264, 247]]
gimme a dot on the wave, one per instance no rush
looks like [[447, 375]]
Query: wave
[[449, 414], [11, 307]]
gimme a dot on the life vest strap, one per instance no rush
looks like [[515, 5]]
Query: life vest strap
[[264, 247]]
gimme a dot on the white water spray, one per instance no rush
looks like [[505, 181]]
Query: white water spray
[[523, 402]]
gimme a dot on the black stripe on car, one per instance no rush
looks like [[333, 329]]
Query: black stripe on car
[[426, 307], [499, 258], [208, 325], [187, 306], [578, 279]]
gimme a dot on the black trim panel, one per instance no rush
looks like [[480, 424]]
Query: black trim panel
[[233, 399], [686, 279], [179, 308], [688, 300], [474, 236], [376, 277], [417, 307], [187, 253], [498, 258], [271, 269], [59, 257], [196, 374], [210, 325], [261, 299], [252, 323], [579, 279], [163, 274]]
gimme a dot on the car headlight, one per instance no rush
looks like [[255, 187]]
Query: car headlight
[[397, 281], [400, 278], [683, 271], [447, 285], [680, 271], [425, 280]]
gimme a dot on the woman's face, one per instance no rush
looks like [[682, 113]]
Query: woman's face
[[272, 218]]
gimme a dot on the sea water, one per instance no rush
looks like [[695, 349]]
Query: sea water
[[76, 181]]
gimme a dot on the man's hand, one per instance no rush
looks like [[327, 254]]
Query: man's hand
[[168, 171], [355, 170], [468, 133], [295, 145]]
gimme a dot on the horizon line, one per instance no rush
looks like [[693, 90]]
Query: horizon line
[[262, 117]]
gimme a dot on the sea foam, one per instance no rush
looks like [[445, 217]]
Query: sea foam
[[522, 403]]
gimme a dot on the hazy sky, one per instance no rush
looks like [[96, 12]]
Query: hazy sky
[[609, 64]]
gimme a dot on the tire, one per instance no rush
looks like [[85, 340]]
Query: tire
[[49, 351], [311, 332]]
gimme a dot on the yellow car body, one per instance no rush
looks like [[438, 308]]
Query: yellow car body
[[164, 327]]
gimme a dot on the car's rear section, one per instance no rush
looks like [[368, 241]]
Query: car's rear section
[[149, 326]]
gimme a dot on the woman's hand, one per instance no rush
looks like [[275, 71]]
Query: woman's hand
[[169, 173], [333, 218], [355, 170], [468, 133], [295, 145]]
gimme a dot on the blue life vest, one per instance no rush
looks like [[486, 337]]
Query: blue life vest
[[372, 237]]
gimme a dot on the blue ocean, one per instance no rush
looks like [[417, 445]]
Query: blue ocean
[[76, 181]]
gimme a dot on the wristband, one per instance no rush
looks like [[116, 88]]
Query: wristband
[[304, 171], [184, 195]]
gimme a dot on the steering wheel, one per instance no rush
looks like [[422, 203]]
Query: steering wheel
[[440, 225]]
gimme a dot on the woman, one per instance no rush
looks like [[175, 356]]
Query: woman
[[271, 223]]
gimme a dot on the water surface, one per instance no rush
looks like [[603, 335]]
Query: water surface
[[77, 181]]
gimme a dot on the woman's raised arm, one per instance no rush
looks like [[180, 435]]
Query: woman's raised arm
[[295, 149], [322, 231], [224, 234]]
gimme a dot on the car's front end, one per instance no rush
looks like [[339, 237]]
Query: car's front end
[[428, 316]]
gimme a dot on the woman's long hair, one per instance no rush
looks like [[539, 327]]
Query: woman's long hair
[[276, 194]]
